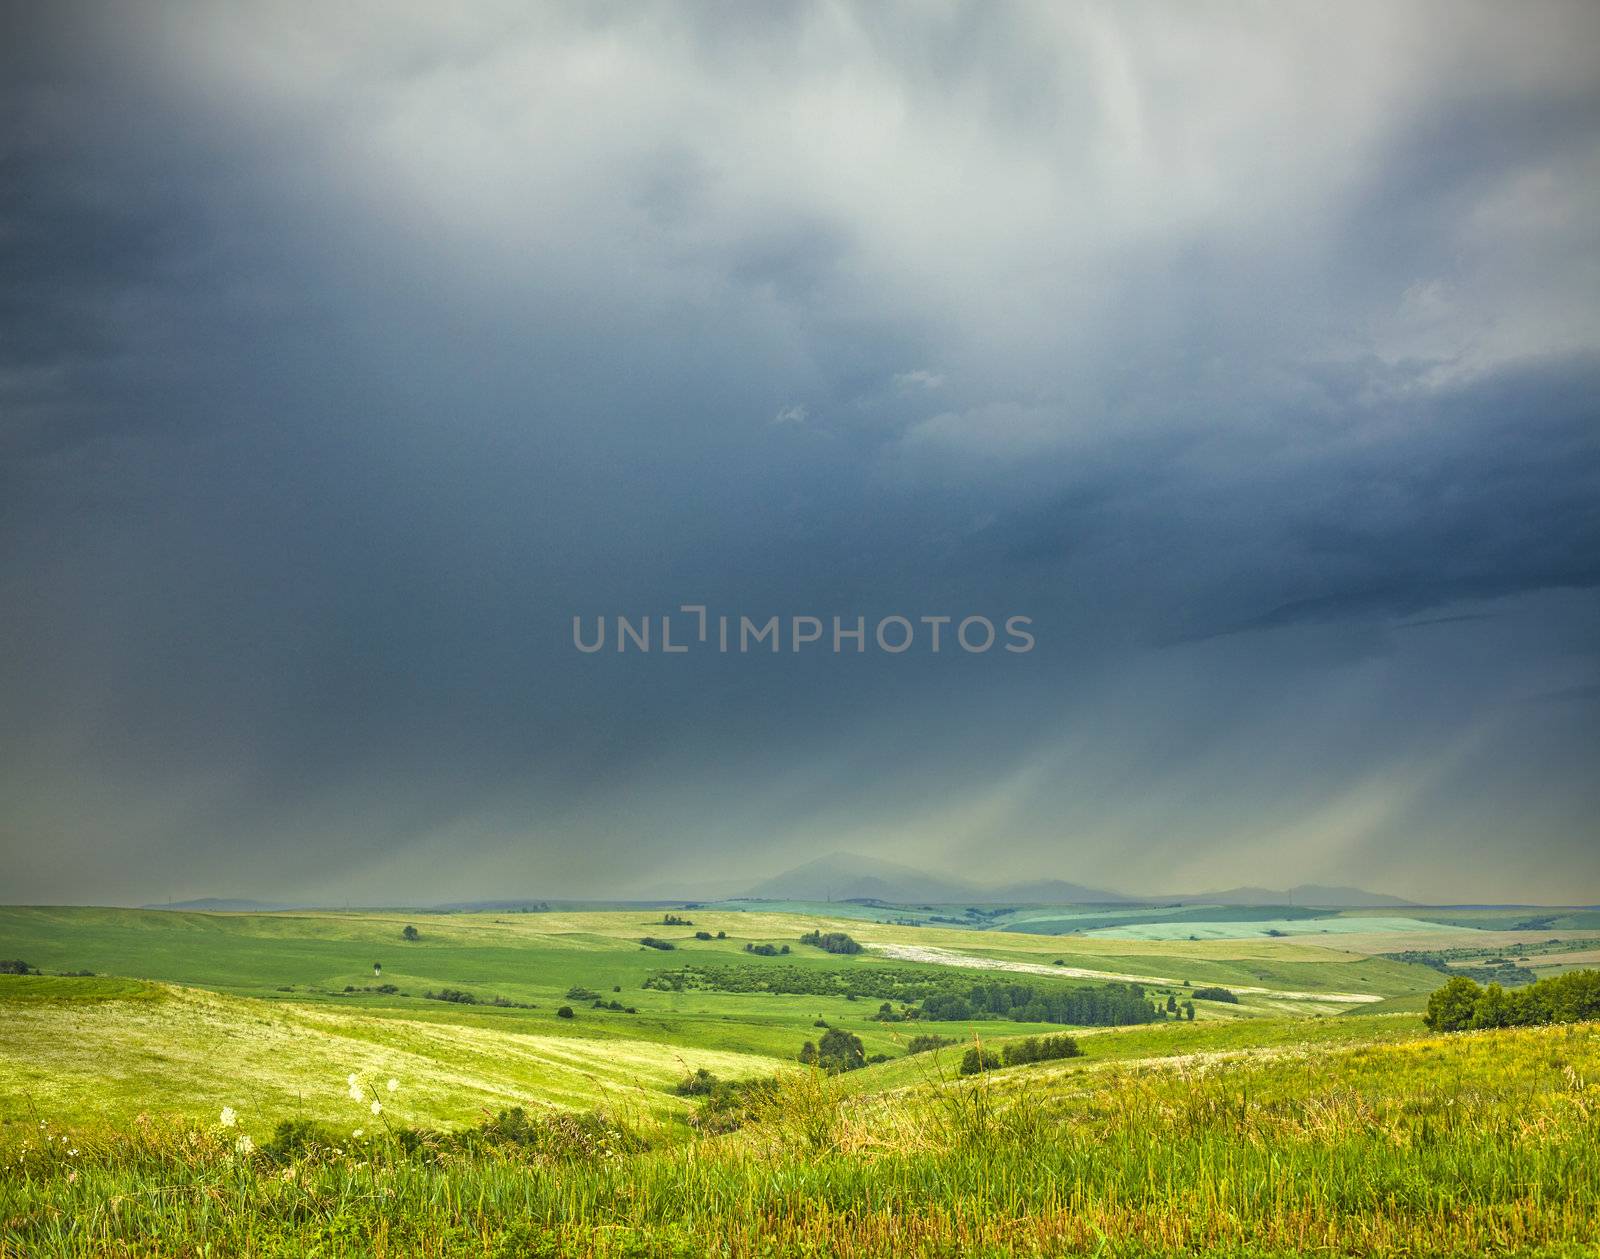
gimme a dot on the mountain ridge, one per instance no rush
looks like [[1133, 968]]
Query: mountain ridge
[[843, 876]]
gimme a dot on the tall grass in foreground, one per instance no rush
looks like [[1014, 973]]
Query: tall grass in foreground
[[1478, 1143]]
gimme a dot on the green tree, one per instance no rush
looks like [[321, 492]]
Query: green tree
[[1450, 1008], [410, 933], [839, 1050]]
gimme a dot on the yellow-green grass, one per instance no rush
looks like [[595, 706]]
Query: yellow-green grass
[[1437, 1145], [533, 959], [72, 1050]]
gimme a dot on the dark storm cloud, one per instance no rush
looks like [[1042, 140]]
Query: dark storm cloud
[[346, 356]]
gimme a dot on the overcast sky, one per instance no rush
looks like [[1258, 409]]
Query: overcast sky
[[348, 352]]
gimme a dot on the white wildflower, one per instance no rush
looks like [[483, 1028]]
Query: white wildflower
[[356, 1095], [229, 1116], [244, 1144], [351, 1079], [356, 1134], [377, 1108], [393, 1085]]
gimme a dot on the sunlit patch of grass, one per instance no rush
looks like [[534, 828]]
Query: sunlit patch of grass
[[1463, 1144]]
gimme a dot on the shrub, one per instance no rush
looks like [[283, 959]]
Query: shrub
[[579, 993], [1215, 994], [979, 1059], [293, 1137], [672, 920], [702, 935], [410, 933], [565, 1012], [698, 1083], [650, 942], [17, 967], [831, 941], [838, 1050], [722, 935], [922, 1044]]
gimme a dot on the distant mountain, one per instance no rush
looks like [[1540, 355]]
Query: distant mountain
[[1318, 896], [842, 876], [1053, 892], [219, 905]]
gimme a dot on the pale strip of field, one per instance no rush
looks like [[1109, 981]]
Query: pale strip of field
[[1588, 957], [193, 1052], [945, 957]]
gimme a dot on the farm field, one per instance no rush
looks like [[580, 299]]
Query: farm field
[[1158, 1135]]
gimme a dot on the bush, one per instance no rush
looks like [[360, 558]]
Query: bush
[[565, 1012], [979, 1059], [922, 1044], [579, 993], [410, 933], [733, 1103], [698, 1083], [1461, 1005], [702, 935], [838, 1050], [722, 935], [1215, 994], [650, 942], [17, 967], [563, 1136], [293, 1137], [831, 941]]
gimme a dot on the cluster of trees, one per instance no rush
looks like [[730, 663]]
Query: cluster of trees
[[410, 933], [460, 997], [1461, 1004], [17, 967], [926, 1043], [1019, 1052], [766, 950], [838, 1050], [1215, 994], [1108, 1005], [650, 942], [672, 920], [387, 990], [831, 941], [949, 998]]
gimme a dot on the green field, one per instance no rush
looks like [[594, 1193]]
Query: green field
[[1319, 1095]]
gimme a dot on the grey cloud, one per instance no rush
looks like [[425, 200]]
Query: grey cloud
[[348, 355]]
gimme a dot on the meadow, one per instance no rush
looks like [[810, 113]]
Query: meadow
[[1316, 1114]]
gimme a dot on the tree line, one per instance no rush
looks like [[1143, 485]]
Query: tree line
[[1461, 1005]]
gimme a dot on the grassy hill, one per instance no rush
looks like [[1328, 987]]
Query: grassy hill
[[1314, 1112]]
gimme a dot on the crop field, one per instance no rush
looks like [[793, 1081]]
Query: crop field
[[1312, 1110]]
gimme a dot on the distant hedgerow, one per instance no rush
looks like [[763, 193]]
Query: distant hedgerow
[[650, 942]]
